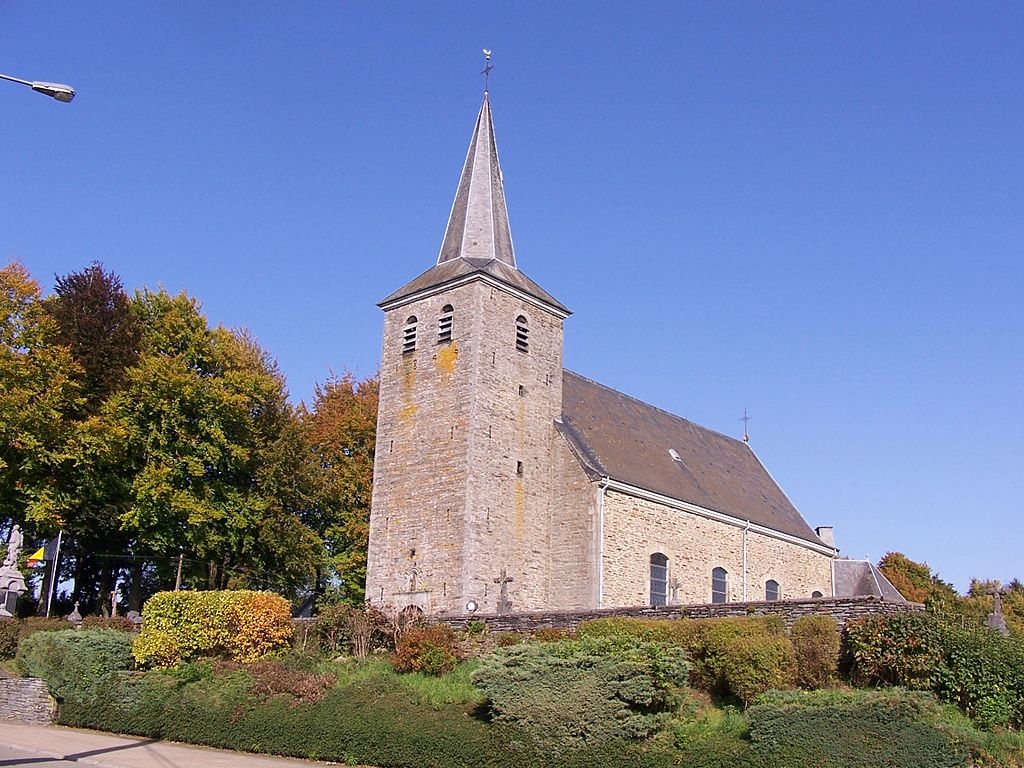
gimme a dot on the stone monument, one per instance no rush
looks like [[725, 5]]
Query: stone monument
[[996, 620], [12, 583]]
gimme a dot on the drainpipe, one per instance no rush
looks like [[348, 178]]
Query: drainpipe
[[600, 542], [745, 529]]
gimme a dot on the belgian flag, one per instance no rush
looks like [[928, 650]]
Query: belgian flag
[[43, 555]]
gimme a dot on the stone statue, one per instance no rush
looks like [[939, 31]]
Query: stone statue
[[13, 548]]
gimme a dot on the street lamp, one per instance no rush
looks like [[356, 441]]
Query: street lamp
[[57, 91]]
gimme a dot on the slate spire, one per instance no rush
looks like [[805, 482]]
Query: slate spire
[[478, 224]]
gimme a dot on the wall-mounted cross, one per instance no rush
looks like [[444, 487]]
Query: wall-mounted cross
[[504, 604]]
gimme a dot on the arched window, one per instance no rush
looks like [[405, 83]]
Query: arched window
[[659, 579], [816, 593], [522, 334], [771, 590], [444, 324], [409, 335], [719, 585]]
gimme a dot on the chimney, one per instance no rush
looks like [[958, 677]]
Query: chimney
[[826, 535]]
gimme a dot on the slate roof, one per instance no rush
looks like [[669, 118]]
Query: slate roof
[[855, 578], [478, 224], [454, 270], [478, 240], [620, 437]]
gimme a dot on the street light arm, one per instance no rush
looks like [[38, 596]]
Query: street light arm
[[58, 91]]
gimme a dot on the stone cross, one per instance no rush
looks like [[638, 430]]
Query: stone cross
[[996, 620], [504, 604]]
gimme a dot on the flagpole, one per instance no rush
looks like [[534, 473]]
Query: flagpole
[[53, 574]]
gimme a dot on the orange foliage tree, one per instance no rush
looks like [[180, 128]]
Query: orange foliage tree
[[342, 430]]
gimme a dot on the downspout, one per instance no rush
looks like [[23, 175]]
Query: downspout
[[745, 529], [600, 542]]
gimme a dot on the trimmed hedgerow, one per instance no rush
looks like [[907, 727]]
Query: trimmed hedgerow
[[975, 668], [729, 657], [816, 644], [366, 719], [240, 625], [593, 690], [77, 665], [854, 729]]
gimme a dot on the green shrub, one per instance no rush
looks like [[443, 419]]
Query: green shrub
[[903, 649], [13, 631], [429, 649], [76, 664], [983, 673], [816, 648], [239, 625], [753, 664], [9, 631], [853, 729], [720, 663], [588, 691], [507, 640]]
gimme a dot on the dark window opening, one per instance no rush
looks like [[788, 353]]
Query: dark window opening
[[444, 324], [719, 585], [771, 590], [659, 579], [409, 335], [519, 468], [522, 334]]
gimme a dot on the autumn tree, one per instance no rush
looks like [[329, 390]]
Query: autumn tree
[[915, 581], [38, 385], [94, 320], [341, 428]]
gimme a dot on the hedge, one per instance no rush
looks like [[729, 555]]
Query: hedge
[[77, 665], [853, 729], [590, 691], [241, 625], [368, 720]]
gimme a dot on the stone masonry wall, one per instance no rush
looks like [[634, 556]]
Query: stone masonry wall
[[463, 468], [26, 699], [574, 534], [842, 609], [635, 528]]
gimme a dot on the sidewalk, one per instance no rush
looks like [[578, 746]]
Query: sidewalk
[[109, 751]]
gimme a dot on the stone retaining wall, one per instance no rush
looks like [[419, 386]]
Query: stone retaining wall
[[841, 609], [26, 699]]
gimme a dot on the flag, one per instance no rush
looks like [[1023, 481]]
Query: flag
[[36, 558], [43, 554]]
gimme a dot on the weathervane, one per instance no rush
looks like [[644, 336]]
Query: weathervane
[[746, 421], [486, 71]]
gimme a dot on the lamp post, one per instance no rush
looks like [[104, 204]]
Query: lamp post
[[57, 91]]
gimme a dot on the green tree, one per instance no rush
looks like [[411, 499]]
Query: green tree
[[342, 429], [204, 418], [38, 385]]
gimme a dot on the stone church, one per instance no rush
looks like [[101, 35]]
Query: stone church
[[504, 482]]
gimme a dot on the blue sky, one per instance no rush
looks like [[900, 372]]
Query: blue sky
[[812, 211]]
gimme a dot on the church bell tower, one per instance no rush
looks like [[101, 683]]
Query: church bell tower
[[470, 388]]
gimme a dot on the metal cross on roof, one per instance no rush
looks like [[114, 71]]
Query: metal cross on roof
[[486, 71]]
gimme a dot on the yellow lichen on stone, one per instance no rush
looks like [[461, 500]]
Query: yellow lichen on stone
[[445, 360], [407, 412]]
